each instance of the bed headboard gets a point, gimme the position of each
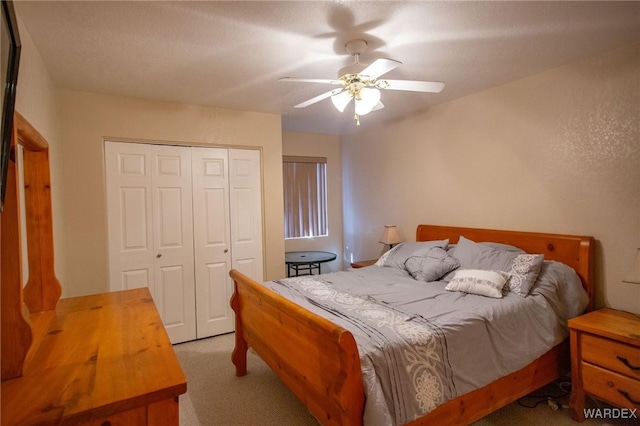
(573, 250)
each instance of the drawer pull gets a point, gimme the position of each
(626, 395)
(627, 363)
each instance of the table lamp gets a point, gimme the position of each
(390, 236)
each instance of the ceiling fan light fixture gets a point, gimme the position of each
(341, 100)
(366, 100)
(362, 84)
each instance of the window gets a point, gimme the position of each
(305, 196)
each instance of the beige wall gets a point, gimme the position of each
(556, 152)
(89, 119)
(36, 100)
(315, 145)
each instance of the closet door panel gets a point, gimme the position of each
(216, 218)
(174, 288)
(136, 278)
(211, 241)
(215, 317)
(131, 254)
(169, 296)
(246, 201)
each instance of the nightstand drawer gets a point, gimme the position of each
(614, 388)
(615, 356)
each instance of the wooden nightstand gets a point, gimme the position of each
(363, 263)
(605, 360)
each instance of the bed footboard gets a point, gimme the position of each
(316, 359)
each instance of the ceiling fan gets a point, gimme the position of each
(361, 83)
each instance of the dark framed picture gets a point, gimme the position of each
(10, 54)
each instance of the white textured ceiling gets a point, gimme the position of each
(231, 54)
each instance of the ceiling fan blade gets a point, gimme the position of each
(379, 67)
(415, 86)
(318, 98)
(310, 80)
(378, 106)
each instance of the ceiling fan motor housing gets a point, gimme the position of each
(356, 47)
(351, 69)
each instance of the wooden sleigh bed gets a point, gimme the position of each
(319, 361)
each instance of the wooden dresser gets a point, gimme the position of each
(605, 360)
(103, 359)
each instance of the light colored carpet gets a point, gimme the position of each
(215, 396)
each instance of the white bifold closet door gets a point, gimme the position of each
(227, 216)
(151, 229)
(179, 219)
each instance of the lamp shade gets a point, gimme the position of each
(341, 100)
(633, 276)
(369, 98)
(390, 235)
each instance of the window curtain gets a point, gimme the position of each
(305, 197)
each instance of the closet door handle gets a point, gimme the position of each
(159, 255)
(226, 250)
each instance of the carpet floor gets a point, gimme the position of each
(215, 396)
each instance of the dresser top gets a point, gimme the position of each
(98, 355)
(617, 325)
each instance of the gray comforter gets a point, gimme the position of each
(421, 345)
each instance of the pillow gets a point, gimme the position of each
(476, 281)
(562, 288)
(399, 254)
(430, 264)
(522, 267)
(383, 258)
(500, 246)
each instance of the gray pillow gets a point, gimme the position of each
(399, 254)
(562, 289)
(523, 267)
(500, 246)
(430, 264)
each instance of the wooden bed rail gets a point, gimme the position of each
(316, 359)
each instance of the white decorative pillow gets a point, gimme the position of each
(480, 282)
